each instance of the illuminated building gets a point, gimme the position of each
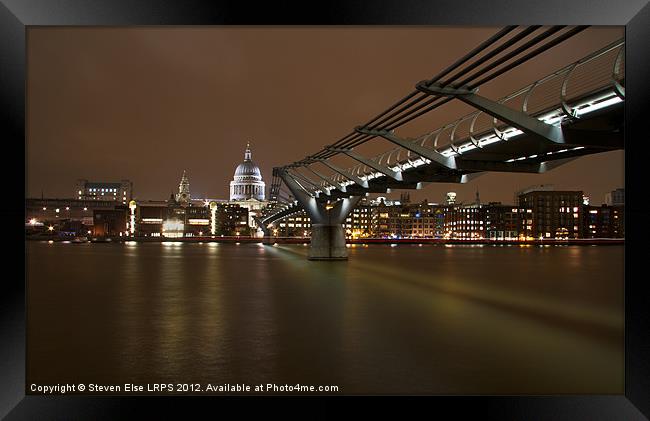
(171, 219)
(548, 213)
(387, 220)
(173, 228)
(501, 221)
(197, 221)
(149, 218)
(70, 215)
(358, 224)
(297, 225)
(231, 219)
(396, 219)
(427, 220)
(106, 191)
(604, 222)
(615, 198)
(110, 222)
(465, 222)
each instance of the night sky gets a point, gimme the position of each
(146, 103)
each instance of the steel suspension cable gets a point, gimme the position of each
(396, 122)
(443, 73)
(355, 139)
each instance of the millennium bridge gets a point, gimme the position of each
(575, 111)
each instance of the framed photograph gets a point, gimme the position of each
(239, 202)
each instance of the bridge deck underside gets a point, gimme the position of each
(600, 131)
(596, 132)
(604, 124)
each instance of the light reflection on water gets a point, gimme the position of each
(410, 319)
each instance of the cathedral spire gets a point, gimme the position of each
(247, 154)
(183, 195)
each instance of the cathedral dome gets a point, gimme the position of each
(247, 182)
(248, 169)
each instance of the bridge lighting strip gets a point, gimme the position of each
(547, 153)
(597, 105)
(554, 118)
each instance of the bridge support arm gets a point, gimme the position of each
(429, 154)
(342, 209)
(357, 180)
(308, 202)
(396, 175)
(466, 178)
(325, 179)
(517, 119)
(309, 182)
(262, 226)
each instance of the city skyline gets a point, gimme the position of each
(164, 105)
(184, 184)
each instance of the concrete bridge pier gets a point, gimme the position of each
(327, 242)
(327, 233)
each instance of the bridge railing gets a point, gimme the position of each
(602, 71)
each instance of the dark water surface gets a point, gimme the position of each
(407, 319)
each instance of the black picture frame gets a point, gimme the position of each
(17, 15)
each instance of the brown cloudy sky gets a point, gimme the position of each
(146, 103)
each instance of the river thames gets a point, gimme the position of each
(407, 319)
